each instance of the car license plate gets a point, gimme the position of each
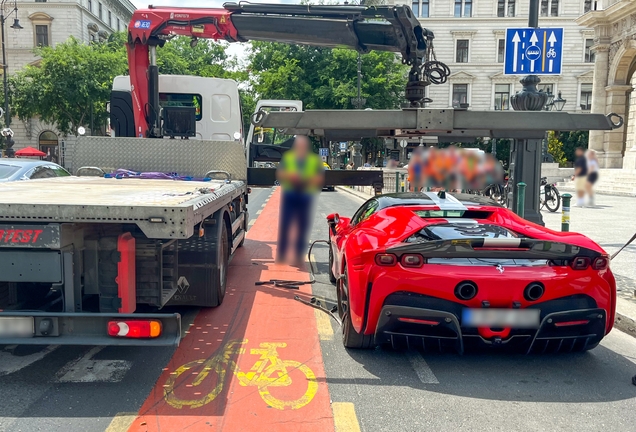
(517, 318)
(16, 327)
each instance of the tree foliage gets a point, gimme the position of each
(71, 81)
(325, 78)
(572, 140)
(555, 148)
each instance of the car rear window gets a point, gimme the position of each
(7, 171)
(459, 230)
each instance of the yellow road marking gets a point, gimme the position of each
(121, 422)
(312, 257)
(344, 415)
(323, 322)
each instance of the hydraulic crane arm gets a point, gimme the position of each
(383, 28)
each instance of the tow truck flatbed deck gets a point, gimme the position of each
(161, 208)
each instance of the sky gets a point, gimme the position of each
(235, 49)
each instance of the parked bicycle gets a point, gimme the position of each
(550, 196)
(498, 192)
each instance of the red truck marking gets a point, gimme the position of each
(20, 236)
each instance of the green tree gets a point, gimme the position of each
(555, 148)
(325, 78)
(71, 81)
(572, 140)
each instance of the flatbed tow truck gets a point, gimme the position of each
(92, 260)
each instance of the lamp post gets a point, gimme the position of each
(16, 25)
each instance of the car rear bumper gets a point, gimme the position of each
(414, 321)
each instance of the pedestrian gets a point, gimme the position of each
(416, 171)
(592, 174)
(301, 175)
(350, 165)
(580, 176)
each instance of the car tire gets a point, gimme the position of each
(350, 337)
(332, 277)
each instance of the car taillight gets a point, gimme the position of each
(580, 263)
(600, 263)
(412, 260)
(386, 260)
(134, 329)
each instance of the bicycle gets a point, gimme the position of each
(260, 376)
(497, 192)
(550, 196)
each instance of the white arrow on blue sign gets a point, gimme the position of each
(324, 151)
(534, 51)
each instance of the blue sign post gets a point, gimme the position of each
(537, 51)
(324, 151)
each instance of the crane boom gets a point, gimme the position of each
(382, 28)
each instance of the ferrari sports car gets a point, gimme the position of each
(441, 271)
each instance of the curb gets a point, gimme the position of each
(354, 193)
(625, 322)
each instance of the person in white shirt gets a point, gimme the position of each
(592, 173)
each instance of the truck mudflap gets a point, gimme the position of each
(48, 328)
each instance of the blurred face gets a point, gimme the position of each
(301, 145)
(579, 152)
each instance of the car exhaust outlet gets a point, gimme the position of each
(533, 291)
(466, 290)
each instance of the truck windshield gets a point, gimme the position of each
(271, 136)
(182, 100)
(7, 171)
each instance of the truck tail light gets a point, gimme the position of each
(412, 260)
(134, 329)
(600, 263)
(385, 260)
(580, 263)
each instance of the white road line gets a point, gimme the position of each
(259, 212)
(85, 369)
(423, 371)
(10, 363)
(251, 223)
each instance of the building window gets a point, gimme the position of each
(41, 35)
(416, 7)
(589, 54)
(92, 36)
(110, 19)
(501, 50)
(587, 6)
(586, 97)
(547, 88)
(40, 1)
(90, 6)
(463, 8)
(101, 14)
(118, 25)
(460, 94)
(505, 8)
(461, 55)
(502, 96)
(549, 8)
(425, 8)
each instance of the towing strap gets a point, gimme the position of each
(624, 246)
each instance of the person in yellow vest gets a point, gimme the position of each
(301, 176)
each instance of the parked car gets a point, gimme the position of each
(328, 187)
(441, 271)
(23, 169)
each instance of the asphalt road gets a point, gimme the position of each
(75, 389)
(78, 388)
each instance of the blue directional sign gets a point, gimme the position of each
(536, 51)
(324, 151)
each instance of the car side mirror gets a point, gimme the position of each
(334, 217)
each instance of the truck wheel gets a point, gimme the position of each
(350, 337)
(222, 262)
(332, 277)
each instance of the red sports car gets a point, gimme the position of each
(438, 271)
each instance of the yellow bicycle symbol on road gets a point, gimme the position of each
(268, 371)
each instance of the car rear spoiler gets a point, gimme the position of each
(504, 248)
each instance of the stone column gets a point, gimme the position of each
(612, 156)
(629, 161)
(601, 70)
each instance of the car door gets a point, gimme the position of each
(363, 213)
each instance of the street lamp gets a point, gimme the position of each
(559, 102)
(16, 25)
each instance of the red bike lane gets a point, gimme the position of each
(255, 362)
